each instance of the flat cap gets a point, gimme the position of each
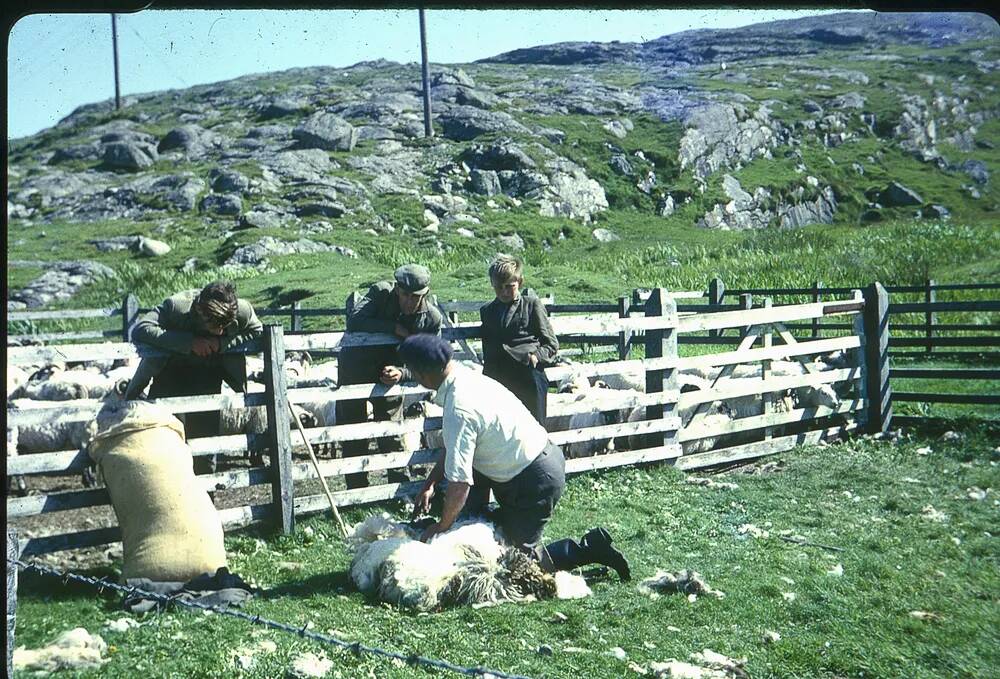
(425, 352)
(413, 278)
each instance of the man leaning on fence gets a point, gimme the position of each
(399, 308)
(196, 327)
(493, 443)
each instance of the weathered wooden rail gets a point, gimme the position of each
(658, 435)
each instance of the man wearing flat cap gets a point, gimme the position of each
(400, 308)
(493, 443)
(196, 327)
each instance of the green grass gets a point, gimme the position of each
(862, 496)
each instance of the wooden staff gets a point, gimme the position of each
(319, 473)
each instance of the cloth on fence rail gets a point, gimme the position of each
(170, 528)
(221, 589)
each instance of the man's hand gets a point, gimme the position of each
(204, 346)
(401, 331)
(431, 531)
(391, 375)
(422, 502)
(533, 359)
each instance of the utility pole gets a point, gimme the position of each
(114, 47)
(425, 72)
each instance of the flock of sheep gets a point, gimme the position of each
(107, 381)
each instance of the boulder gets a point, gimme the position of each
(281, 107)
(321, 209)
(977, 171)
(131, 156)
(326, 131)
(446, 76)
(463, 123)
(849, 100)
(77, 152)
(478, 98)
(60, 282)
(257, 253)
(502, 154)
(222, 203)
(897, 195)
(228, 181)
(485, 182)
(366, 132)
(665, 206)
(573, 195)
(152, 248)
(605, 236)
(512, 242)
(179, 192)
(619, 163)
(615, 128)
(936, 212)
(261, 219)
(191, 139)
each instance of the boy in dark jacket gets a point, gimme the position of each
(518, 340)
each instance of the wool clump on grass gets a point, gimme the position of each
(75, 649)
(682, 582)
(706, 664)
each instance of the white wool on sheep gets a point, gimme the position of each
(467, 564)
(571, 586)
(75, 649)
(626, 381)
(16, 379)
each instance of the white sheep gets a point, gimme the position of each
(79, 383)
(467, 564)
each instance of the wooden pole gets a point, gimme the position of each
(930, 295)
(425, 75)
(625, 336)
(746, 304)
(817, 285)
(716, 291)
(12, 553)
(878, 392)
(662, 343)
(319, 472)
(296, 318)
(278, 432)
(130, 314)
(765, 372)
(114, 47)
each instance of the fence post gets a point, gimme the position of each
(662, 343)
(716, 291)
(930, 295)
(765, 372)
(858, 360)
(130, 314)
(279, 436)
(625, 336)
(746, 304)
(878, 391)
(453, 315)
(816, 296)
(12, 553)
(296, 318)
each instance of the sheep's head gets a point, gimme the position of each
(573, 384)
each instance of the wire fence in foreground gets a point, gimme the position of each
(357, 648)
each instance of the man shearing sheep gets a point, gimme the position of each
(400, 308)
(493, 442)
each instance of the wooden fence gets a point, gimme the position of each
(658, 434)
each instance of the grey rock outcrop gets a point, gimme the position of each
(464, 123)
(503, 154)
(60, 282)
(327, 131)
(897, 195)
(193, 140)
(512, 242)
(222, 204)
(726, 136)
(228, 181)
(131, 156)
(258, 253)
(485, 182)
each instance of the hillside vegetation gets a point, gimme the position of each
(841, 160)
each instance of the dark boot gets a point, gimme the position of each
(595, 547)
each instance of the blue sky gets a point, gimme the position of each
(58, 62)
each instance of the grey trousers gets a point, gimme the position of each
(526, 501)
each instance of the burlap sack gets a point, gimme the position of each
(170, 528)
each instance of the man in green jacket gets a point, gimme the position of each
(399, 308)
(196, 328)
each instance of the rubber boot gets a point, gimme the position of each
(595, 547)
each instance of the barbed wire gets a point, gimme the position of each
(357, 648)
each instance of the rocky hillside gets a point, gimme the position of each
(851, 119)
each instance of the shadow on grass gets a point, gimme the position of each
(36, 586)
(335, 582)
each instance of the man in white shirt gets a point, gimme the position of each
(493, 443)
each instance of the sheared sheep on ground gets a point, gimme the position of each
(75, 649)
(468, 564)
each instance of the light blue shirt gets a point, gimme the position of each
(486, 428)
